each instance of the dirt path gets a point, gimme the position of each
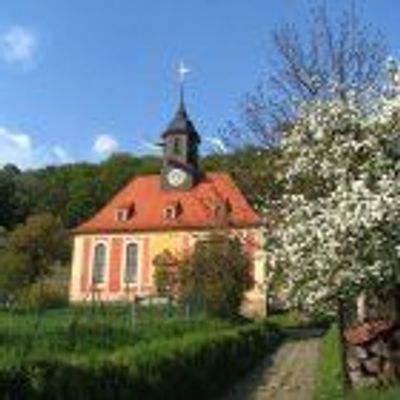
(288, 375)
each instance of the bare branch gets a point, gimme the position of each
(339, 58)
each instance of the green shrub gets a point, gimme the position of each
(216, 276)
(195, 366)
(43, 295)
(14, 269)
(43, 239)
(330, 375)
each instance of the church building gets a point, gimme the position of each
(163, 215)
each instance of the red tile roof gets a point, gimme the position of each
(197, 207)
(366, 332)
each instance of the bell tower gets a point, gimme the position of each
(180, 141)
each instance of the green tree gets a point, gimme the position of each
(166, 277)
(14, 274)
(7, 197)
(84, 199)
(74, 192)
(43, 240)
(3, 237)
(250, 167)
(217, 275)
(116, 171)
(52, 190)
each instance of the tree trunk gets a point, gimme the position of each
(397, 303)
(362, 308)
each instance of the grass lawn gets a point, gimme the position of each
(295, 319)
(84, 329)
(383, 394)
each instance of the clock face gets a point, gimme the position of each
(176, 177)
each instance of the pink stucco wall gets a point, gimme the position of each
(150, 245)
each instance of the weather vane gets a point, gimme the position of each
(183, 70)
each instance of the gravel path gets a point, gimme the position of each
(288, 375)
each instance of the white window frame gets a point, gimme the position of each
(136, 283)
(170, 213)
(121, 215)
(106, 243)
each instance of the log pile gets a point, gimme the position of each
(373, 354)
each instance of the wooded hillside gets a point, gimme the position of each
(76, 191)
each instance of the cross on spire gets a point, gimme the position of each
(183, 70)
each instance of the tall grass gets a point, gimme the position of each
(330, 375)
(376, 394)
(86, 330)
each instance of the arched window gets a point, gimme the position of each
(131, 263)
(99, 265)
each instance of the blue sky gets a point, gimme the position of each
(81, 78)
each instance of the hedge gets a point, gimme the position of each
(195, 366)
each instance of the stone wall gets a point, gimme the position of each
(373, 354)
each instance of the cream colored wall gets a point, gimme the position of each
(77, 257)
(158, 241)
(255, 303)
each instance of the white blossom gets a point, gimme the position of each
(340, 233)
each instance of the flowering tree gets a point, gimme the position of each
(339, 228)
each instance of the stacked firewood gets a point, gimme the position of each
(373, 354)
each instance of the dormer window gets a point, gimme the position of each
(169, 213)
(124, 213)
(172, 211)
(228, 206)
(222, 209)
(121, 215)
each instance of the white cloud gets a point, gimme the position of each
(217, 144)
(104, 145)
(19, 149)
(150, 148)
(61, 155)
(18, 45)
(15, 148)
